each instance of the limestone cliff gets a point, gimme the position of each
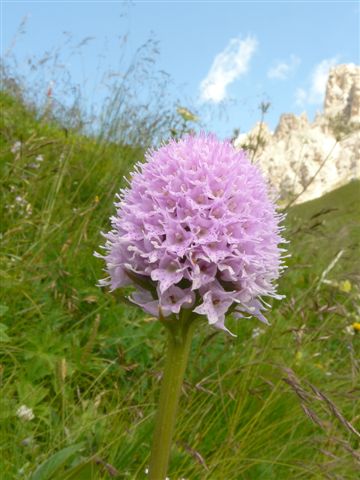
(304, 160)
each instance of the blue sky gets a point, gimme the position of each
(224, 57)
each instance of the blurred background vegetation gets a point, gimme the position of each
(80, 371)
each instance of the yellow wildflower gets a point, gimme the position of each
(345, 286)
(356, 326)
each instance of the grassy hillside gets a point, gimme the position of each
(274, 403)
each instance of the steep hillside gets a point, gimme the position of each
(80, 370)
(327, 227)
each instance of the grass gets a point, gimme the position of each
(274, 403)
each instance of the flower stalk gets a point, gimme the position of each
(180, 333)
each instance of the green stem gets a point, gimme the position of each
(179, 342)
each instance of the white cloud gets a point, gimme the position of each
(227, 66)
(315, 93)
(282, 70)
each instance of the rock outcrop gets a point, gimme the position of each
(304, 160)
(343, 92)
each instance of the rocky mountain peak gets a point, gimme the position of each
(289, 122)
(304, 160)
(343, 92)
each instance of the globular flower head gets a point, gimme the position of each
(196, 229)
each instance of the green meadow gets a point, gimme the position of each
(278, 402)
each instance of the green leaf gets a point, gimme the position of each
(3, 310)
(83, 471)
(48, 469)
(3, 335)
